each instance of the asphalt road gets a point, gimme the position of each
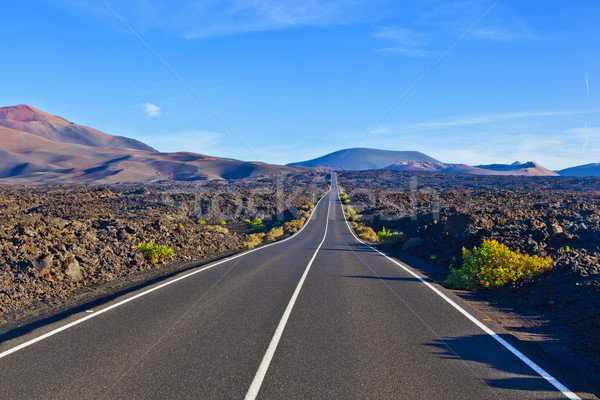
(318, 316)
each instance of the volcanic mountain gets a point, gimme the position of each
(25, 118)
(357, 159)
(582, 170)
(37, 148)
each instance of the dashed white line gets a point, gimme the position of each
(266, 361)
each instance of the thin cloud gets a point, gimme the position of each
(400, 40)
(151, 110)
(483, 119)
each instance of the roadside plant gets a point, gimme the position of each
(154, 252)
(217, 229)
(293, 225)
(201, 222)
(256, 224)
(274, 233)
(366, 233)
(223, 222)
(253, 240)
(493, 265)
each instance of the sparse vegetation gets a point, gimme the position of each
(156, 253)
(389, 238)
(223, 222)
(274, 233)
(253, 240)
(256, 224)
(343, 196)
(201, 222)
(217, 229)
(366, 233)
(493, 265)
(293, 225)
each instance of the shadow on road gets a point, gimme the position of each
(477, 348)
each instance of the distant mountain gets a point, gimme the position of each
(529, 168)
(362, 158)
(31, 120)
(526, 169)
(582, 170)
(53, 156)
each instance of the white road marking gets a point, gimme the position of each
(94, 314)
(539, 370)
(266, 361)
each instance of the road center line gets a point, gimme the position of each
(266, 361)
(539, 370)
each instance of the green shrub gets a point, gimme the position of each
(170, 218)
(494, 265)
(223, 222)
(388, 237)
(256, 224)
(201, 222)
(154, 252)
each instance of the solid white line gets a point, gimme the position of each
(539, 370)
(266, 361)
(102, 311)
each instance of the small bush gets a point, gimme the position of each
(494, 265)
(154, 252)
(304, 214)
(307, 207)
(253, 240)
(223, 223)
(389, 238)
(256, 224)
(170, 218)
(293, 225)
(201, 222)
(217, 229)
(366, 233)
(274, 233)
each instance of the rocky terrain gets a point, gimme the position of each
(57, 240)
(550, 216)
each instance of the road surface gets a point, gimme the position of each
(318, 316)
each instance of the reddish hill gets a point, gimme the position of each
(30, 157)
(31, 120)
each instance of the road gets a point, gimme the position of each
(317, 316)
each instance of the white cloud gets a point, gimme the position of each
(151, 110)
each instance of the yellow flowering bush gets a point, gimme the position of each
(493, 265)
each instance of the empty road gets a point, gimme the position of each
(318, 316)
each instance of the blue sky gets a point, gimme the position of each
(283, 81)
